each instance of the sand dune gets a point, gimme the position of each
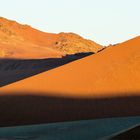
(113, 70)
(106, 84)
(25, 42)
(12, 70)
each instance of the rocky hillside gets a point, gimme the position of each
(71, 43)
(23, 41)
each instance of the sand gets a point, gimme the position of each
(111, 72)
(106, 84)
(20, 41)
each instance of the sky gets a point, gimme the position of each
(104, 21)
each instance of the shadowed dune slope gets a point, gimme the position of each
(23, 41)
(12, 70)
(131, 134)
(34, 109)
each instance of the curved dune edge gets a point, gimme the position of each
(114, 71)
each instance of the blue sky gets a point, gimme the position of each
(104, 21)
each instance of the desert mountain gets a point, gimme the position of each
(23, 41)
(115, 71)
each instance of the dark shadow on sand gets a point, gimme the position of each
(12, 70)
(132, 134)
(31, 109)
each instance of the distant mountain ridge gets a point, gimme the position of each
(23, 41)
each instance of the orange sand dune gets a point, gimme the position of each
(106, 84)
(110, 72)
(23, 41)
